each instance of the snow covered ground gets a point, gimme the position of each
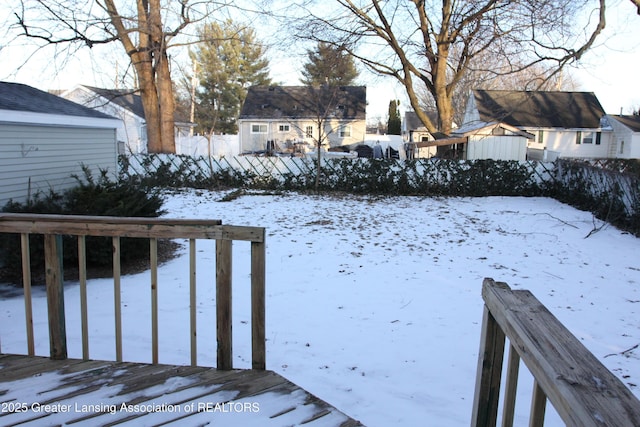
(374, 304)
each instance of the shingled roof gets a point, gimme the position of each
(569, 110)
(126, 98)
(412, 121)
(632, 122)
(300, 102)
(20, 97)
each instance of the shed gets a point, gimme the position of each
(497, 141)
(44, 139)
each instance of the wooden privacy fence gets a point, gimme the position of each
(580, 388)
(53, 227)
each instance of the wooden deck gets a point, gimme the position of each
(40, 391)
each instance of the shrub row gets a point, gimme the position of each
(388, 176)
(101, 197)
(608, 189)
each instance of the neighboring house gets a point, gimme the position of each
(126, 105)
(413, 130)
(290, 118)
(568, 124)
(44, 139)
(626, 142)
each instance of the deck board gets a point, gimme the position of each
(90, 393)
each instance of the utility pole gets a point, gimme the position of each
(194, 81)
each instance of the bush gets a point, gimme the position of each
(95, 197)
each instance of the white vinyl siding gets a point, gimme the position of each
(41, 158)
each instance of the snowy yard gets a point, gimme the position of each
(373, 304)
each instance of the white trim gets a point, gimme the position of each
(27, 117)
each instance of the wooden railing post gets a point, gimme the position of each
(223, 303)
(538, 406)
(258, 344)
(489, 372)
(55, 296)
(511, 386)
(193, 303)
(26, 286)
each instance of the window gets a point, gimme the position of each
(598, 138)
(259, 128)
(621, 147)
(540, 136)
(283, 127)
(588, 138)
(578, 137)
(309, 131)
(344, 131)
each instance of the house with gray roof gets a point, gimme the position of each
(291, 119)
(566, 124)
(125, 104)
(45, 139)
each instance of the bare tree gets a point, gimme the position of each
(535, 77)
(321, 106)
(146, 29)
(433, 43)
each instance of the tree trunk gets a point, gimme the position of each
(151, 108)
(318, 160)
(165, 105)
(150, 61)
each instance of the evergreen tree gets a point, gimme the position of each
(329, 65)
(394, 125)
(229, 60)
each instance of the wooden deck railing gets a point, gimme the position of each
(53, 227)
(582, 391)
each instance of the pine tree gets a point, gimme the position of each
(394, 125)
(329, 65)
(229, 60)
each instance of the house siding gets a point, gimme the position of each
(564, 142)
(497, 147)
(626, 142)
(251, 142)
(130, 133)
(39, 158)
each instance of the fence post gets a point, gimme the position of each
(489, 372)
(223, 303)
(55, 296)
(258, 345)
